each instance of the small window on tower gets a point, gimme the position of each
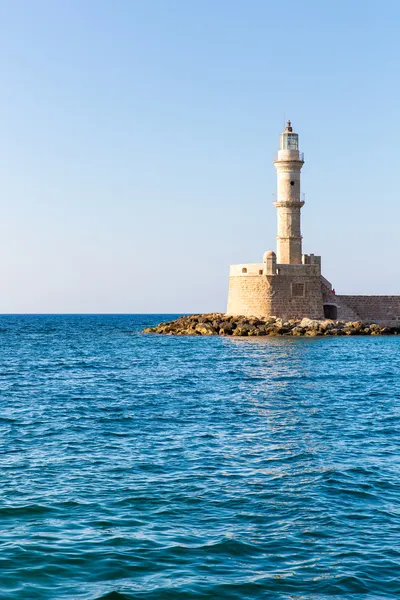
(298, 290)
(244, 270)
(292, 183)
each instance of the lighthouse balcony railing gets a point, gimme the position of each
(277, 158)
(285, 199)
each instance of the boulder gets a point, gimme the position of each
(205, 329)
(309, 324)
(255, 322)
(326, 325)
(271, 329)
(204, 319)
(253, 331)
(349, 330)
(270, 321)
(226, 328)
(241, 330)
(298, 330)
(283, 330)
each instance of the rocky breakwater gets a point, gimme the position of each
(220, 324)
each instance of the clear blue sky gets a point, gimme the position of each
(136, 142)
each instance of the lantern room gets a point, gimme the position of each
(288, 139)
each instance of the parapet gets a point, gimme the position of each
(311, 259)
(247, 269)
(270, 267)
(298, 270)
(310, 267)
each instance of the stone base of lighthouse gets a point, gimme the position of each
(296, 291)
(287, 291)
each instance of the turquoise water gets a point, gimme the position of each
(153, 467)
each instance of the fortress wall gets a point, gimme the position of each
(344, 311)
(291, 296)
(298, 270)
(246, 269)
(297, 297)
(249, 269)
(279, 295)
(249, 296)
(380, 309)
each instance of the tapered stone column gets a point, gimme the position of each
(288, 162)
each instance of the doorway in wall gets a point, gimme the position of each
(330, 311)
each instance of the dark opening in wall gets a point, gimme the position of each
(330, 311)
(244, 270)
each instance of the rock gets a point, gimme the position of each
(294, 322)
(377, 329)
(241, 330)
(349, 330)
(252, 322)
(253, 331)
(270, 321)
(204, 319)
(270, 329)
(205, 329)
(326, 325)
(242, 323)
(340, 332)
(283, 330)
(165, 329)
(216, 323)
(226, 328)
(298, 330)
(309, 324)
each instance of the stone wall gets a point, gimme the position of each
(344, 311)
(249, 296)
(297, 296)
(377, 309)
(247, 269)
(295, 293)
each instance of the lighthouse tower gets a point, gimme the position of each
(288, 162)
(287, 284)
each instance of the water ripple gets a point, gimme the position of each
(146, 467)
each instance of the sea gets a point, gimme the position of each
(164, 467)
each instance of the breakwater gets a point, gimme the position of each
(239, 326)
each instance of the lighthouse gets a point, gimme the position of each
(286, 284)
(288, 162)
